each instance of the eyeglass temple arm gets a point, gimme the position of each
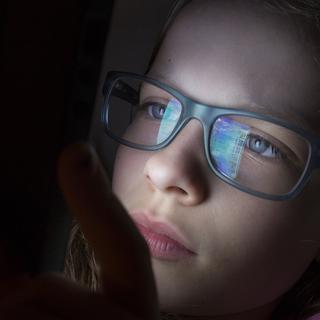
(124, 91)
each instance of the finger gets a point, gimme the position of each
(120, 249)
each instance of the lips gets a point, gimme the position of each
(164, 240)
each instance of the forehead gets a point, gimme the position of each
(238, 54)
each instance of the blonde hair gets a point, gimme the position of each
(303, 299)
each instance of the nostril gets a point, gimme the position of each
(149, 182)
(177, 189)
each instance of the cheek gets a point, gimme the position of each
(267, 242)
(249, 255)
(128, 172)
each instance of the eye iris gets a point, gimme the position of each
(157, 111)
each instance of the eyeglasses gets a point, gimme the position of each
(258, 154)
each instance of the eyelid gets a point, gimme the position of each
(278, 144)
(149, 102)
(156, 99)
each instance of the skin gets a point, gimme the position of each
(250, 251)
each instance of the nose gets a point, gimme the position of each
(180, 169)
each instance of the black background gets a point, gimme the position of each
(51, 53)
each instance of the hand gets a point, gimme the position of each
(128, 288)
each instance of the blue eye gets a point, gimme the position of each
(155, 110)
(262, 147)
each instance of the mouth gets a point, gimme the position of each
(163, 240)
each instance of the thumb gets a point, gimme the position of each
(121, 251)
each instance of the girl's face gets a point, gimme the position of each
(249, 251)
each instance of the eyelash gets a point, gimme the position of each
(276, 153)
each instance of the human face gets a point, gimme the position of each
(249, 251)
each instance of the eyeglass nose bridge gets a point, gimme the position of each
(205, 114)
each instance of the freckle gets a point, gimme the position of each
(169, 60)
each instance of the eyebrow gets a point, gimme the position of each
(279, 111)
(282, 112)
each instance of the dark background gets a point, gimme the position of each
(51, 57)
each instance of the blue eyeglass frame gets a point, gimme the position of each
(207, 115)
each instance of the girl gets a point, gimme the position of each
(217, 168)
(251, 252)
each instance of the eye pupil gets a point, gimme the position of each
(257, 144)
